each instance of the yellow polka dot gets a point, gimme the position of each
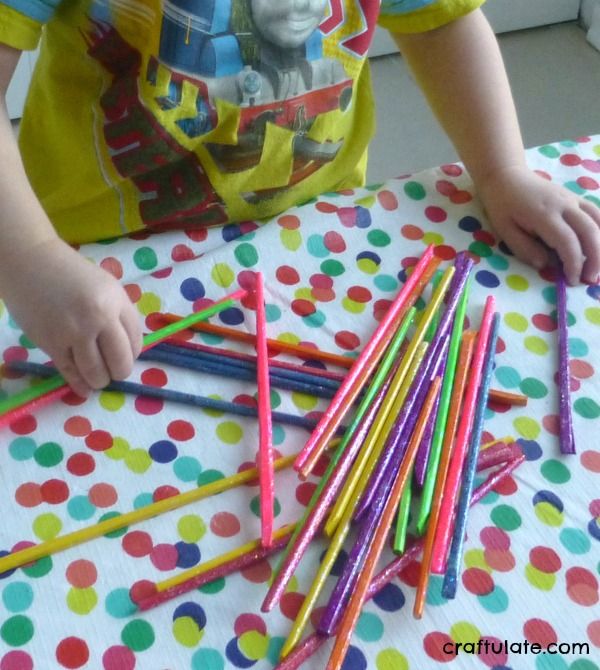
(464, 632)
(253, 644)
(304, 401)
(138, 460)
(367, 201)
(229, 432)
(352, 306)
(592, 314)
(291, 239)
(213, 412)
(112, 400)
(191, 528)
(47, 526)
(82, 601)
(391, 659)
(304, 294)
(541, 580)
(549, 514)
(517, 282)
(186, 631)
(596, 149)
(475, 558)
(222, 275)
(527, 427)
(149, 303)
(516, 321)
(288, 338)
(292, 586)
(119, 449)
(536, 345)
(433, 238)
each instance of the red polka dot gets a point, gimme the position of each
(492, 658)
(593, 631)
(477, 581)
(112, 266)
(445, 252)
(249, 622)
(15, 353)
(387, 200)
(551, 423)
(137, 543)
(197, 234)
(148, 406)
(72, 652)
(434, 645)
(162, 274)
(334, 242)
(24, 426)
(181, 430)
(142, 590)
(590, 460)
(16, 660)
(304, 492)
(303, 307)
(347, 340)
(118, 657)
(290, 604)
(325, 208)
(570, 159)
(360, 294)
(54, 491)
(581, 369)
(445, 187)
(544, 323)
(181, 252)
(451, 170)
(81, 464)
(410, 574)
(102, 495)
(495, 538)
(583, 595)
(72, 399)
(380, 308)
(225, 524)
(289, 221)
(154, 377)
(545, 559)
(538, 631)
(29, 495)
(411, 232)
(435, 214)
(163, 492)
(506, 487)
(484, 236)
(247, 280)
(323, 294)
(287, 275)
(587, 183)
(591, 165)
(460, 197)
(594, 508)
(579, 575)
(81, 574)
(134, 292)
(246, 400)
(164, 556)
(500, 560)
(99, 440)
(321, 281)
(258, 573)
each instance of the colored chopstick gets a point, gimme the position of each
(566, 437)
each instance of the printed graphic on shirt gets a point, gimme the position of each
(228, 76)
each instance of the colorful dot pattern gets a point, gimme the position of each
(530, 570)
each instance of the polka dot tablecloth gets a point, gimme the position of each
(532, 559)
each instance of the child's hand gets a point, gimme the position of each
(525, 208)
(77, 313)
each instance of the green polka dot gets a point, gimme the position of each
(480, 249)
(414, 190)
(145, 258)
(555, 471)
(80, 508)
(229, 432)
(332, 268)
(138, 635)
(507, 376)
(527, 427)
(549, 151)
(138, 461)
(255, 506)
(213, 587)
(209, 476)
(47, 526)
(464, 632)
(191, 528)
(517, 282)
(369, 627)
(207, 659)
(112, 401)
(119, 605)
(22, 448)
(40, 568)
(253, 644)
(575, 541)
(82, 601)
(548, 514)
(246, 255)
(494, 602)
(222, 275)
(577, 347)
(114, 533)
(304, 401)
(587, 408)
(533, 388)
(386, 283)
(391, 659)
(275, 399)
(17, 630)
(17, 597)
(550, 662)
(536, 345)
(367, 265)
(498, 262)
(274, 650)
(516, 321)
(186, 631)
(505, 517)
(378, 238)
(592, 314)
(544, 581)
(48, 454)
(583, 664)
(571, 320)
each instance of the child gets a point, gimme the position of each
(172, 113)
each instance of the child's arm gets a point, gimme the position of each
(78, 313)
(460, 69)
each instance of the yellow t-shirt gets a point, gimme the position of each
(149, 114)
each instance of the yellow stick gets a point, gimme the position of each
(62, 542)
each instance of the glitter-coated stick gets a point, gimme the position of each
(566, 438)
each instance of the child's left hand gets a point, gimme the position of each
(532, 214)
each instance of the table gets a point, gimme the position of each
(531, 567)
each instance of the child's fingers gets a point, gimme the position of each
(588, 233)
(115, 349)
(524, 247)
(91, 364)
(66, 366)
(131, 323)
(591, 210)
(564, 240)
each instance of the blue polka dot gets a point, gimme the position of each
(231, 232)
(8, 573)
(338, 564)
(369, 255)
(163, 451)
(549, 497)
(594, 529)
(594, 291)
(233, 653)
(192, 289)
(390, 598)
(188, 554)
(531, 449)
(193, 611)
(469, 224)
(232, 316)
(316, 246)
(355, 660)
(363, 217)
(487, 279)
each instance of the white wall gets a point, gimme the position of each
(587, 7)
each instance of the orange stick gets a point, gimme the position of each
(358, 598)
(508, 398)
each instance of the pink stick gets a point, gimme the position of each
(362, 367)
(33, 405)
(452, 486)
(267, 483)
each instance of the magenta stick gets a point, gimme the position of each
(362, 367)
(315, 641)
(494, 455)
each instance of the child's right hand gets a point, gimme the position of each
(77, 313)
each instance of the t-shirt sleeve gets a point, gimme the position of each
(21, 21)
(415, 16)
